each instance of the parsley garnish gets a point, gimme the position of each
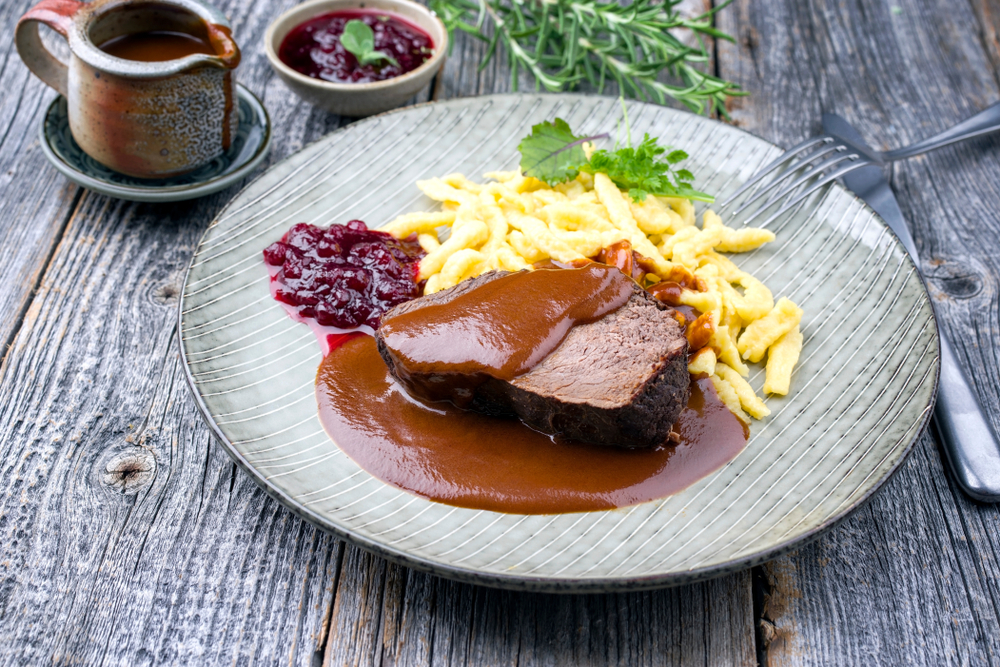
(641, 171)
(359, 39)
(553, 154)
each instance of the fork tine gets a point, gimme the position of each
(785, 175)
(815, 170)
(781, 160)
(832, 176)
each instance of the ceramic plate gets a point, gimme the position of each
(862, 393)
(249, 147)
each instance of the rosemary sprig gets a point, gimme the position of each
(564, 42)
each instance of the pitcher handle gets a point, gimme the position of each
(58, 15)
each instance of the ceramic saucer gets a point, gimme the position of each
(249, 147)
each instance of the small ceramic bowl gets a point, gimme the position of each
(357, 99)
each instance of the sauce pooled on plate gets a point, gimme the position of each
(472, 460)
(439, 451)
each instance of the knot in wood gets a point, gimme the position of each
(130, 471)
(955, 279)
(167, 294)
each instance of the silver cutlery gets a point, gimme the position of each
(825, 158)
(970, 444)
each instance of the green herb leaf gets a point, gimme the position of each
(644, 170)
(632, 44)
(552, 153)
(359, 39)
(677, 156)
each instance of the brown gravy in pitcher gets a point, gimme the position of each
(156, 46)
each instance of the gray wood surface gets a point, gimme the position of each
(912, 578)
(128, 537)
(35, 200)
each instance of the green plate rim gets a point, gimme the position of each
(547, 584)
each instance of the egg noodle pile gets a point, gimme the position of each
(516, 220)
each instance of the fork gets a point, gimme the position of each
(836, 157)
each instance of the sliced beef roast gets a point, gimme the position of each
(621, 380)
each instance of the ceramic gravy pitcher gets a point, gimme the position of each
(140, 114)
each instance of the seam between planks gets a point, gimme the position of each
(991, 54)
(716, 70)
(43, 268)
(328, 624)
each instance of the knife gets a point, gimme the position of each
(970, 444)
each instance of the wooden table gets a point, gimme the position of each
(128, 537)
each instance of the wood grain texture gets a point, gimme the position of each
(34, 198)
(912, 577)
(388, 615)
(127, 536)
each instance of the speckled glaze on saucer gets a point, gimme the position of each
(249, 147)
(862, 394)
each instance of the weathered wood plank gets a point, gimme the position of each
(388, 615)
(126, 535)
(35, 199)
(911, 578)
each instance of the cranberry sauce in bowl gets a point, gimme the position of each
(313, 48)
(342, 279)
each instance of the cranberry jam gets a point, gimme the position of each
(346, 276)
(313, 48)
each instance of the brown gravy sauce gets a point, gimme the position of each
(471, 460)
(501, 329)
(157, 46)
(163, 45)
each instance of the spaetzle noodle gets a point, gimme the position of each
(513, 221)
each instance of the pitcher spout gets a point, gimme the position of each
(221, 39)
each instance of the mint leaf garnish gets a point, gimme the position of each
(359, 39)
